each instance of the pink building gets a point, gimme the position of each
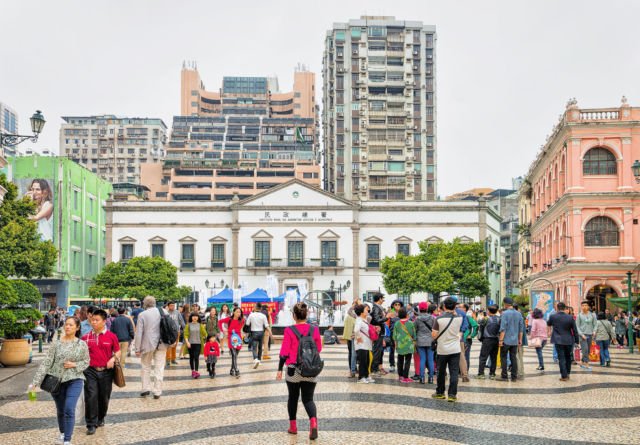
(580, 206)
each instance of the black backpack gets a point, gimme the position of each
(309, 362)
(168, 329)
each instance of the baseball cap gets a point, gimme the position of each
(423, 306)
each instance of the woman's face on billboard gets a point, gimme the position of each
(36, 192)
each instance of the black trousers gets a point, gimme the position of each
(363, 363)
(453, 362)
(234, 359)
(194, 356)
(304, 389)
(565, 356)
(392, 355)
(377, 355)
(97, 392)
(211, 368)
(404, 365)
(512, 350)
(489, 349)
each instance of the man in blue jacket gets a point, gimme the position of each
(122, 326)
(564, 335)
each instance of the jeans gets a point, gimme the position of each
(467, 351)
(364, 363)
(512, 351)
(453, 361)
(565, 356)
(305, 391)
(97, 392)
(604, 351)
(152, 372)
(555, 354)
(256, 344)
(585, 346)
(404, 364)
(489, 349)
(426, 358)
(352, 355)
(66, 400)
(464, 369)
(392, 355)
(539, 352)
(194, 356)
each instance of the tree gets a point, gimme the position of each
(137, 278)
(453, 267)
(403, 274)
(8, 297)
(22, 253)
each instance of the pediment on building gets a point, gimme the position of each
(465, 240)
(127, 239)
(187, 239)
(157, 239)
(295, 234)
(329, 234)
(262, 234)
(403, 239)
(434, 240)
(218, 239)
(373, 239)
(295, 193)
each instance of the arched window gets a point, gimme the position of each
(599, 161)
(601, 231)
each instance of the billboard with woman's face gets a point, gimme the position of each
(40, 192)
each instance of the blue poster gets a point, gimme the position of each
(543, 300)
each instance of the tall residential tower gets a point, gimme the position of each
(379, 117)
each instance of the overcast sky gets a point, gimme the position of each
(505, 69)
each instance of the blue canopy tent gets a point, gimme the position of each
(224, 296)
(257, 296)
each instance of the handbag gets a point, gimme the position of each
(535, 342)
(434, 343)
(51, 384)
(373, 334)
(118, 374)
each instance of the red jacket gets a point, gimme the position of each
(233, 326)
(212, 348)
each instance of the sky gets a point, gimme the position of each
(505, 68)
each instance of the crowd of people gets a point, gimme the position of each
(438, 339)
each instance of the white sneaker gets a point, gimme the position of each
(256, 362)
(67, 443)
(370, 380)
(60, 438)
(363, 380)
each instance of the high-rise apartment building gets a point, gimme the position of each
(8, 124)
(113, 147)
(241, 139)
(379, 109)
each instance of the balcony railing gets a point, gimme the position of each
(218, 264)
(295, 263)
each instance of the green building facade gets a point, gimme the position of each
(71, 213)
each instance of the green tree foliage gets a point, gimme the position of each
(22, 253)
(8, 296)
(403, 274)
(439, 267)
(139, 277)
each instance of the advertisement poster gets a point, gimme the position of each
(40, 191)
(543, 300)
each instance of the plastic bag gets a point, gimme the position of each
(594, 352)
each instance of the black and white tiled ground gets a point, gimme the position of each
(602, 406)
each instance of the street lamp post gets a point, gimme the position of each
(635, 168)
(37, 124)
(629, 327)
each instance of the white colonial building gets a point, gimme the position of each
(303, 236)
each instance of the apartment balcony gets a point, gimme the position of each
(310, 264)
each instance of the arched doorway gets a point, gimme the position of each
(598, 295)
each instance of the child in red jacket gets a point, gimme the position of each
(211, 354)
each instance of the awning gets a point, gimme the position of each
(224, 296)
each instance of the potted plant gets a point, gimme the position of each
(17, 317)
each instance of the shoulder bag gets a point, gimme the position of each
(434, 344)
(51, 383)
(118, 374)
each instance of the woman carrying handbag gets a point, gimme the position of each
(61, 373)
(538, 336)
